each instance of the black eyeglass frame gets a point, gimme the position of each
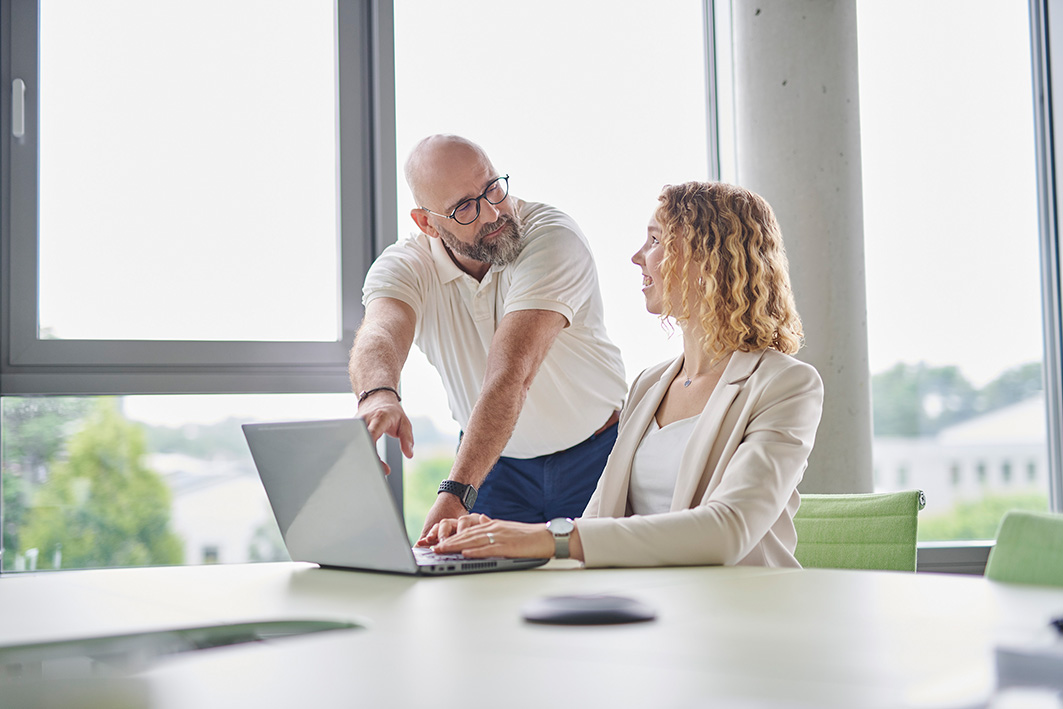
(483, 195)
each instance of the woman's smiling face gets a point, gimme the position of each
(649, 259)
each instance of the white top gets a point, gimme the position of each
(736, 489)
(655, 467)
(581, 381)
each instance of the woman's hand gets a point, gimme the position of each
(492, 537)
(449, 527)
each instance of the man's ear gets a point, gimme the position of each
(420, 218)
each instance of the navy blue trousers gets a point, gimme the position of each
(540, 489)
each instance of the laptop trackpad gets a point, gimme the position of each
(588, 609)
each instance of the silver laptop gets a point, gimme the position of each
(333, 506)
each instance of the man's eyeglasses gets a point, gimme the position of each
(468, 210)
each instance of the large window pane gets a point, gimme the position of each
(592, 113)
(950, 219)
(188, 170)
(127, 481)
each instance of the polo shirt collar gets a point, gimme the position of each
(445, 266)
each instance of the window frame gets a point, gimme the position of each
(32, 366)
(1046, 27)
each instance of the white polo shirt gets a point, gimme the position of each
(581, 381)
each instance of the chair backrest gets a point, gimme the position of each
(1029, 549)
(859, 531)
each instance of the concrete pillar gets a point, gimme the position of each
(797, 144)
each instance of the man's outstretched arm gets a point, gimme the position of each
(380, 349)
(518, 348)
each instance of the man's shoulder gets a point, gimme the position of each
(548, 229)
(406, 267)
(543, 219)
(412, 251)
(415, 245)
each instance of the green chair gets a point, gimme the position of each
(858, 531)
(1029, 549)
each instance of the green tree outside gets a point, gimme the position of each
(918, 400)
(977, 519)
(15, 505)
(204, 441)
(912, 400)
(36, 428)
(35, 431)
(103, 506)
(1014, 385)
(420, 482)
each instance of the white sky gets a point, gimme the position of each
(950, 202)
(594, 113)
(179, 190)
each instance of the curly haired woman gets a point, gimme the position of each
(712, 444)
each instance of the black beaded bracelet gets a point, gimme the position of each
(365, 394)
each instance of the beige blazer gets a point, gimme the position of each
(736, 492)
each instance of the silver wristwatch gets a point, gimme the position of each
(561, 528)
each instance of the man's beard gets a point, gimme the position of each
(502, 249)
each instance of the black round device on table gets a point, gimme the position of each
(590, 609)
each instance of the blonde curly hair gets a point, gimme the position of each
(724, 259)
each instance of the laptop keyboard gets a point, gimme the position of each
(424, 555)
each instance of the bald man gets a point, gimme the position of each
(502, 297)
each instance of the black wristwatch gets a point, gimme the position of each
(465, 493)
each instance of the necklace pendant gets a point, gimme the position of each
(686, 383)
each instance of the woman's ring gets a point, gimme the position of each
(490, 538)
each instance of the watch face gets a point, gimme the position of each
(465, 493)
(560, 525)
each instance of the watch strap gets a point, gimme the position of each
(561, 546)
(465, 493)
(369, 392)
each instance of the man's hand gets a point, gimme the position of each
(449, 527)
(380, 348)
(383, 414)
(446, 506)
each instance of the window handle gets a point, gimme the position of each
(18, 108)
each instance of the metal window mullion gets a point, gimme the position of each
(385, 174)
(708, 14)
(1046, 23)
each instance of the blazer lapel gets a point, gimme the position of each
(707, 429)
(614, 494)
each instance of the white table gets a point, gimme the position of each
(745, 637)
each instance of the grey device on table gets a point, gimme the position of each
(327, 489)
